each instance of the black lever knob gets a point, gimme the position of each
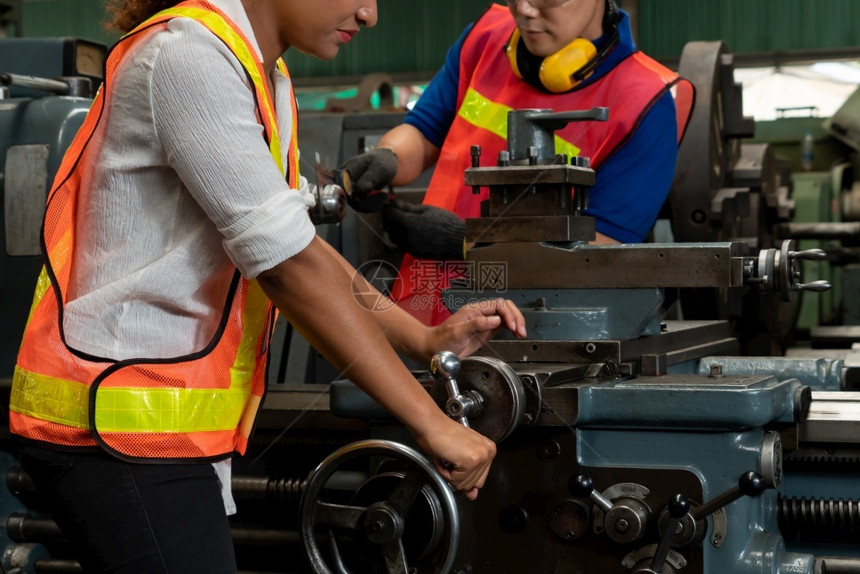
(678, 508)
(581, 485)
(750, 484)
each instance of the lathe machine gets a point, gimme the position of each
(636, 432)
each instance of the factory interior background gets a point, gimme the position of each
(718, 361)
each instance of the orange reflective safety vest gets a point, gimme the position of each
(199, 406)
(487, 91)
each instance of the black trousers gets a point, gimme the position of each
(135, 518)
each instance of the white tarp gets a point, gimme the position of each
(824, 86)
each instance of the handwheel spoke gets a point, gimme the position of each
(404, 493)
(339, 567)
(394, 557)
(339, 515)
(378, 526)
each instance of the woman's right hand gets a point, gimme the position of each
(461, 455)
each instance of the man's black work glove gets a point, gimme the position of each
(368, 174)
(424, 231)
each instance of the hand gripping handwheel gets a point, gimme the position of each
(398, 522)
(415, 527)
(483, 393)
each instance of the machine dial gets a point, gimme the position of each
(620, 512)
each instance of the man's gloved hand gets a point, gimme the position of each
(368, 174)
(424, 231)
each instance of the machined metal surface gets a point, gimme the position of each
(529, 175)
(533, 129)
(530, 229)
(532, 266)
(812, 369)
(834, 417)
(584, 314)
(676, 337)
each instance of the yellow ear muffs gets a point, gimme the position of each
(511, 52)
(557, 71)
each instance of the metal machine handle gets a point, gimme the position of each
(534, 128)
(750, 484)
(777, 270)
(36, 83)
(625, 520)
(557, 120)
(678, 508)
(444, 366)
(581, 485)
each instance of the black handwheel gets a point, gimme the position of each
(403, 521)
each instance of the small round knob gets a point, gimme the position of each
(445, 365)
(678, 506)
(752, 483)
(580, 485)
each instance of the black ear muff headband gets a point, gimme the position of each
(564, 70)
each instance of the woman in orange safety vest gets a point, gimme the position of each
(176, 225)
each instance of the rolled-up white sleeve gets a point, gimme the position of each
(205, 118)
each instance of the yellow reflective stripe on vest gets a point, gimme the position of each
(50, 399)
(133, 409)
(487, 114)
(294, 135)
(123, 409)
(254, 321)
(43, 283)
(169, 410)
(242, 51)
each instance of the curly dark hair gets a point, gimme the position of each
(124, 15)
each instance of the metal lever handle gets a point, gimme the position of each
(809, 254)
(557, 120)
(36, 83)
(444, 366)
(581, 485)
(806, 255)
(778, 270)
(815, 286)
(535, 128)
(750, 484)
(678, 508)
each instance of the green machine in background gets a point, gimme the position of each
(826, 193)
(845, 128)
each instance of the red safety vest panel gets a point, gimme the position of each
(487, 90)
